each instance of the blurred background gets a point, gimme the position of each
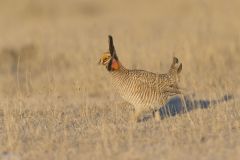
(53, 46)
(57, 103)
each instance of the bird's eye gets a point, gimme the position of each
(104, 60)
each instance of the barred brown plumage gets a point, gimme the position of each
(146, 91)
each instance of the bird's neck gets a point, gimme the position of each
(115, 66)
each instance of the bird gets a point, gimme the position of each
(145, 90)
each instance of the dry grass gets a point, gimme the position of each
(56, 103)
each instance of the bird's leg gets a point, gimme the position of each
(136, 117)
(156, 115)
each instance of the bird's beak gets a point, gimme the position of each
(99, 62)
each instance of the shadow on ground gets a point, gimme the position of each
(182, 104)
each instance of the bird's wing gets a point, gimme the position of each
(156, 82)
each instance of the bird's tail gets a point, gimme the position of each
(175, 68)
(174, 73)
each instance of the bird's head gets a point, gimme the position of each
(105, 58)
(110, 59)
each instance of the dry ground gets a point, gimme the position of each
(56, 103)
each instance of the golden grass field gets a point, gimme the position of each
(57, 103)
